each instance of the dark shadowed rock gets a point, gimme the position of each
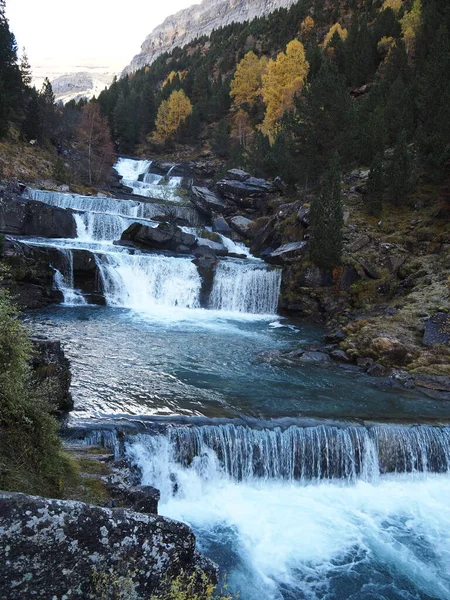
(166, 236)
(316, 277)
(303, 215)
(30, 217)
(206, 263)
(65, 549)
(221, 226)
(281, 185)
(340, 356)
(437, 330)
(237, 175)
(206, 201)
(288, 253)
(348, 278)
(370, 269)
(51, 373)
(359, 243)
(242, 225)
(140, 498)
(245, 193)
(315, 358)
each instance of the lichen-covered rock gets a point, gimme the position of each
(54, 549)
(437, 330)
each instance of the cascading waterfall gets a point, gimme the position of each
(64, 282)
(135, 176)
(145, 282)
(108, 207)
(296, 453)
(246, 287)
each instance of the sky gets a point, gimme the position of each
(64, 35)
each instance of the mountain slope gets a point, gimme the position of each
(199, 20)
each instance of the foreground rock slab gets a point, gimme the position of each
(64, 549)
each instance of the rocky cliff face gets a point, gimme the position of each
(198, 20)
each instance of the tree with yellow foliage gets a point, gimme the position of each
(246, 83)
(394, 4)
(242, 129)
(411, 23)
(283, 79)
(336, 28)
(171, 114)
(307, 27)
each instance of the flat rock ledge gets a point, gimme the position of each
(64, 550)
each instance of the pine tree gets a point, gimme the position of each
(10, 78)
(25, 69)
(31, 127)
(327, 220)
(375, 186)
(220, 140)
(400, 172)
(47, 110)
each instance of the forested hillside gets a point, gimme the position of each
(364, 77)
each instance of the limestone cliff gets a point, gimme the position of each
(198, 20)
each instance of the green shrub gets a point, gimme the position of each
(31, 456)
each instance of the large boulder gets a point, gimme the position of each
(221, 226)
(242, 225)
(437, 330)
(31, 217)
(245, 191)
(206, 201)
(206, 263)
(218, 249)
(65, 549)
(288, 253)
(166, 236)
(51, 373)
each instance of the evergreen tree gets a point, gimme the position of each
(10, 77)
(375, 186)
(220, 140)
(322, 123)
(25, 69)
(327, 220)
(47, 110)
(400, 172)
(32, 125)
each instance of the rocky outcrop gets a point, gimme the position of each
(196, 21)
(245, 191)
(206, 263)
(166, 236)
(241, 224)
(33, 218)
(206, 201)
(51, 372)
(288, 253)
(65, 549)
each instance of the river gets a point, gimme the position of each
(311, 483)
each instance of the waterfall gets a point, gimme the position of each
(126, 208)
(135, 176)
(306, 454)
(111, 206)
(145, 282)
(64, 282)
(246, 287)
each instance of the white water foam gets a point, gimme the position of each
(135, 175)
(389, 538)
